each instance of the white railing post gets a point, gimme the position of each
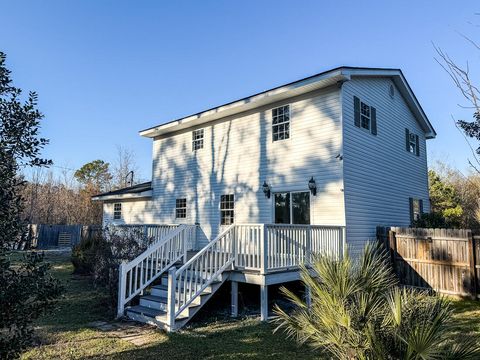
(234, 247)
(122, 282)
(264, 250)
(308, 246)
(344, 242)
(171, 298)
(186, 240)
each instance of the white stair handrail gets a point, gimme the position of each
(137, 274)
(190, 280)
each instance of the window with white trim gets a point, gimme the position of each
(412, 142)
(197, 139)
(281, 123)
(117, 211)
(181, 208)
(227, 209)
(365, 116)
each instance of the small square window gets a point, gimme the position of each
(181, 208)
(117, 211)
(197, 139)
(281, 123)
(227, 204)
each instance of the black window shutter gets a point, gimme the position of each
(373, 114)
(411, 210)
(407, 139)
(356, 109)
(417, 148)
(420, 205)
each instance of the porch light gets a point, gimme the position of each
(266, 189)
(312, 186)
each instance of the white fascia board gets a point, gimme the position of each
(145, 195)
(281, 93)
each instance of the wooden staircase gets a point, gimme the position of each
(174, 297)
(153, 308)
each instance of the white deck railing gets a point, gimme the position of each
(168, 247)
(272, 247)
(151, 232)
(264, 248)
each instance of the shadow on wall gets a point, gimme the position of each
(239, 155)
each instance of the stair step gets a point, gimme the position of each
(162, 290)
(145, 311)
(161, 303)
(164, 279)
(158, 315)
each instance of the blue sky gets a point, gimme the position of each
(106, 69)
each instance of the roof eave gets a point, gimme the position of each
(132, 196)
(293, 89)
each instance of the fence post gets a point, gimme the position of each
(472, 263)
(264, 250)
(392, 241)
(122, 282)
(171, 299)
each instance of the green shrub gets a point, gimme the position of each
(358, 312)
(27, 290)
(102, 255)
(83, 255)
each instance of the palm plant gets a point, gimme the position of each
(358, 312)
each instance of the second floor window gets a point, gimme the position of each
(197, 139)
(117, 211)
(227, 204)
(281, 123)
(412, 142)
(365, 116)
(181, 208)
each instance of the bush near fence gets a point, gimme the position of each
(444, 260)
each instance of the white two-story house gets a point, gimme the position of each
(344, 148)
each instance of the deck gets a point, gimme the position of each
(261, 254)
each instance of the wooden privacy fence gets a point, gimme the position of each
(444, 260)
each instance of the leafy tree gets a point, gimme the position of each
(444, 200)
(96, 174)
(26, 291)
(358, 312)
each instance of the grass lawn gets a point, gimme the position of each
(67, 333)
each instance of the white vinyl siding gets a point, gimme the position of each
(379, 175)
(239, 155)
(133, 212)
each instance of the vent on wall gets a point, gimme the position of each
(64, 239)
(391, 91)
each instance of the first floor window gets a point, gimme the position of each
(281, 123)
(416, 209)
(292, 208)
(227, 203)
(181, 208)
(117, 211)
(197, 139)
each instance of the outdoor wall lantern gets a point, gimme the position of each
(266, 189)
(312, 186)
